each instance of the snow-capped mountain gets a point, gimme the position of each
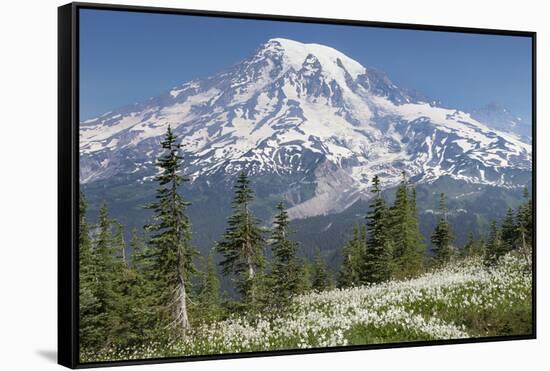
(311, 114)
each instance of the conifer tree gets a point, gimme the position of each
(408, 248)
(509, 231)
(170, 241)
(479, 249)
(442, 237)
(494, 248)
(209, 302)
(140, 259)
(284, 277)
(242, 245)
(353, 256)
(320, 275)
(304, 283)
(105, 278)
(469, 246)
(119, 244)
(525, 222)
(89, 336)
(377, 266)
(84, 241)
(142, 296)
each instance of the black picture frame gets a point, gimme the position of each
(68, 178)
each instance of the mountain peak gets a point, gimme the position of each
(304, 111)
(295, 53)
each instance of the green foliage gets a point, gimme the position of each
(209, 302)
(243, 243)
(407, 241)
(353, 257)
(171, 251)
(379, 250)
(468, 249)
(525, 223)
(473, 247)
(105, 280)
(304, 273)
(320, 275)
(509, 232)
(89, 306)
(442, 237)
(285, 272)
(494, 248)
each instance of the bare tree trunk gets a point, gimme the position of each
(181, 315)
(251, 272)
(251, 275)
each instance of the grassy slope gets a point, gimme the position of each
(463, 300)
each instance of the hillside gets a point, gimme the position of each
(463, 300)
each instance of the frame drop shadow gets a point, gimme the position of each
(50, 355)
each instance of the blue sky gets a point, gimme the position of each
(127, 57)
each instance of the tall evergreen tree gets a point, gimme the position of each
(320, 275)
(140, 305)
(304, 284)
(509, 231)
(105, 278)
(479, 249)
(408, 246)
(493, 247)
(89, 334)
(377, 267)
(119, 244)
(525, 222)
(242, 244)
(209, 302)
(442, 237)
(140, 258)
(353, 257)
(284, 277)
(170, 241)
(469, 246)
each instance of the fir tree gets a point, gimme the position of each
(119, 244)
(353, 256)
(408, 248)
(140, 258)
(377, 266)
(242, 245)
(525, 223)
(105, 279)
(89, 334)
(320, 275)
(304, 283)
(479, 249)
(284, 278)
(442, 237)
(509, 231)
(209, 302)
(171, 250)
(142, 310)
(469, 246)
(494, 248)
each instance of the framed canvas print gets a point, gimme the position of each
(235, 185)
